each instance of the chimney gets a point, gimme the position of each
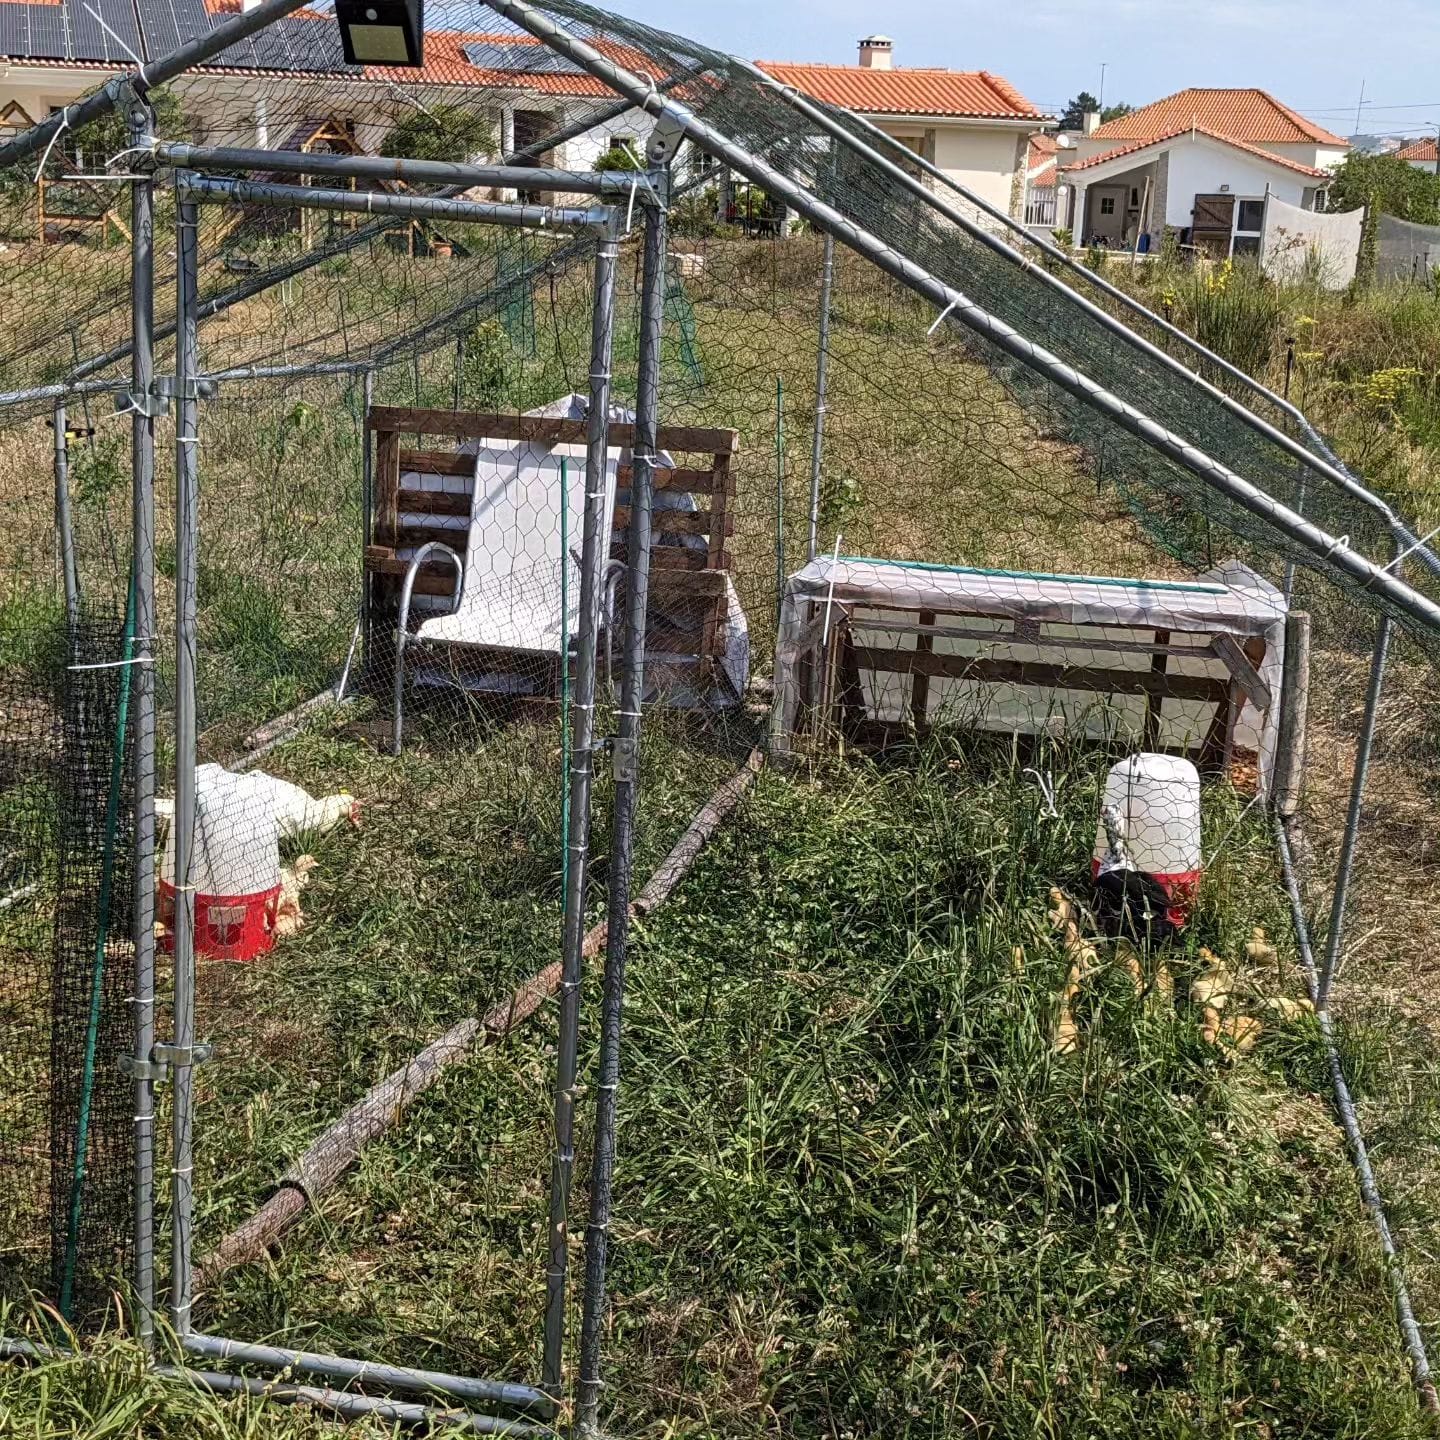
(1090, 122)
(877, 52)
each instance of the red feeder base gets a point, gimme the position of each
(227, 927)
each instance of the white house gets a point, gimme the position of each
(1422, 154)
(1199, 162)
(972, 124)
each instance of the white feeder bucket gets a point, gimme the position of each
(1156, 800)
(235, 869)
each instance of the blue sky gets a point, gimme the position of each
(1313, 54)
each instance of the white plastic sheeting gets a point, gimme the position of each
(1316, 245)
(1055, 620)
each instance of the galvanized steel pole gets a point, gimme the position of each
(64, 528)
(582, 733)
(181, 1052)
(142, 465)
(622, 834)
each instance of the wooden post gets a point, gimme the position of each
(920, 681)
(1294, 707)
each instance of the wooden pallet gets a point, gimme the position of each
(685, 578)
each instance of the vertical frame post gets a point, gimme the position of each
(627, 784)
(582, 733)
(186, 556)
(142, 469)
(1335, 938)
(64, 530)
(822, 381)
(367, 520)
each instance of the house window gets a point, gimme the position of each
(1134, 197)
(1107, 204)
(1249, 221)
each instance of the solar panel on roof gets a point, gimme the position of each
(525, 59)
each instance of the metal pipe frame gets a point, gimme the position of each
(622, 833)
(959, 308)
(1364, 747)
(63, 391)
(614, 185)
(1323, 464)
(1369, 1191)
(366, 1372)
(142, 700)
(822, 383)
(214, 189)
(297, 265)
(64, 527)
(402, 627)
(582, 751)
(342, 1403)
(187, 494)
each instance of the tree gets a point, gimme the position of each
(440, 132)
(1389, 186)
(1075, 112)
(1084, 104)
(622, 155)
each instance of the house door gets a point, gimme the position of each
(1211, 222)
(1107, 214)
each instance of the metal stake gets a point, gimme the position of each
(64, 530)
(622, 834)
(582, 733)
(142, 464)
(822, 377)
(186, 548)
(1335, 938)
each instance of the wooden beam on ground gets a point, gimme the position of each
(321, 1166)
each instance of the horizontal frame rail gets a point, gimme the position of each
(213, 189)
(367, 1372)
(616, 184)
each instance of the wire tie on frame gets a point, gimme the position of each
(941, 318)
(114, 664)
(60, 129)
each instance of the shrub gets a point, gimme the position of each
(443, 132)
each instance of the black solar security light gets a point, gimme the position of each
(382, 32)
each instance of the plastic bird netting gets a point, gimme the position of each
(392, 685)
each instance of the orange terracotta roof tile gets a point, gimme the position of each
(906, 90)
(1253, 116)
(1417, 150)
(447, 64)
(1120, 151)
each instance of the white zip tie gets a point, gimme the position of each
(113, 664)
(1418, 545)
(100, 20)
(630, 207)
(1046, 784)
(830, 593)
(59, 131)
(942, 318)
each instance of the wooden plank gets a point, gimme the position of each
(1244, 673)
(1029, 672)
(416, 533)
(437, 462)
(688, 582)
(920, 682)
(668, 557)
(433, 578)
(435, 502)
(472, 425)
(1153, 703)
(387, 484)
(683, 478)
(675, 642)
(673, 522)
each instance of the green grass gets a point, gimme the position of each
(859, 1193)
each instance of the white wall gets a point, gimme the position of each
(980, 158)
(1198, 167)
(1321, 157)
